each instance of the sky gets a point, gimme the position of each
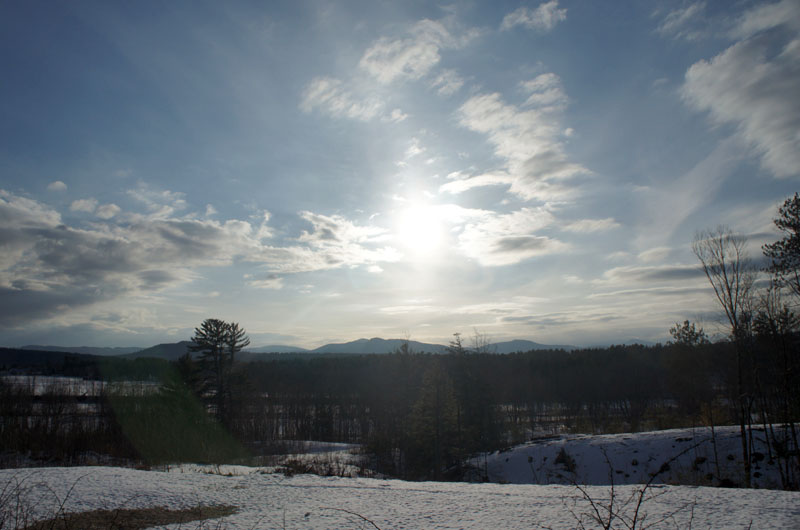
(326, 171)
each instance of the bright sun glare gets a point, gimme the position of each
(420, 230)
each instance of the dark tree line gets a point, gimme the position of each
(419, 415)
(422, 415)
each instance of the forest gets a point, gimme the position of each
(419, 415)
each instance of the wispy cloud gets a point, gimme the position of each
(333, 97)
(545, 92)
(649, 274)
(447, 83)
(396, 116)
(530, 141)
(591, 225)
(333, 242)
(505, 239)
(767, 16)
(411, 57)
(543, 18)
(754, 85)
(682, 23)
(270, 282)
(159, 203)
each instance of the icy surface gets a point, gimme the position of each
(312, 502)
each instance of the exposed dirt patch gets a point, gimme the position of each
(131, 519)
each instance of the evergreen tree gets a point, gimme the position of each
(217, 343)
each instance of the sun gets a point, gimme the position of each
(420, 230)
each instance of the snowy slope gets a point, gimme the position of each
(633, 458)
(311, 502)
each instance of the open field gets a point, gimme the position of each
(310, 502)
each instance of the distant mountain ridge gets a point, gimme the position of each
(519, 345)
(276, 348)
(88, 350)
(375, 345)
(378, 345)
(168, 351)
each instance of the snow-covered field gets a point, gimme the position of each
(690, 456)
(532, 491)
(312, 502)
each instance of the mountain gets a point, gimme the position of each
(11, 358)
(169, 351)
(378, 345)
(513, 346)
(641, 342)
(87, 350)
(275, 349)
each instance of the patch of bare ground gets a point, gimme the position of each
(131, 518)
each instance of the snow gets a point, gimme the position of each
(311, 502)
(75, 386)
(266, 499)
(633, 458)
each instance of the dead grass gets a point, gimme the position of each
(131, 519)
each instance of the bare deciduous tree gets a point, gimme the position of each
(730, 272)
(724, 259)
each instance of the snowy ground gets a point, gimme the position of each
(631, 458)
(312, 502)
(532, 491)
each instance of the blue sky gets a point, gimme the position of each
(322, 171)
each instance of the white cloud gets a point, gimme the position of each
(333, 97)
(530, 141)
(396, 116)
(83, 205)
(386, 60)
(656, 274)
(680, 23)
(107, 211)
(465, 183)
(543, 18)
(336, 229)
(505, 239)
(654, 254)
(333, 242)
(57, 185)
(768, 16)
(161, 204)
(414, 149)
(756, 90)
(592, 225)
(273, 282)
(412, 57)
(545, 92)
(447, 83)
(47, 266)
